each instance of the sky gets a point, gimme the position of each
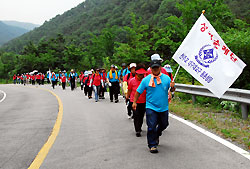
(34, 11)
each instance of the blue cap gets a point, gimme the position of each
(168, 68)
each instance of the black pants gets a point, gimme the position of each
(139, 115)
(114, 90)
(63, 85)
(90, 91)
(53, 84)
(129, 108)
(38, 81)
(72, 84)
(81, 86)
(48, 81)
(86, 90)
(42, 81)
(33, 82)
(102, 90)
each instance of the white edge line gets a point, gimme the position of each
(4, 96)
(213, 136)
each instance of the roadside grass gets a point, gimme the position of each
(5, 81)
(227, 124)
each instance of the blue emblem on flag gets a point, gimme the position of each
(207, 55)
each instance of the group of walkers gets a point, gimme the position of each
(145, 91)
(29, 78)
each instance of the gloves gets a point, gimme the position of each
(110, 84)
(89, 85)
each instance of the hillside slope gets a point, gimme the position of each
(9, 32)
(24, 25)
(94, 15)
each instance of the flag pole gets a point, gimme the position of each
(175, 76)
(176, 72)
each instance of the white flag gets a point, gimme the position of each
(207, 58)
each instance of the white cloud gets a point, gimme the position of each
(34, 11)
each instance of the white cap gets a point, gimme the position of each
(116, 67)
(156, 57)
(90, 72)
(132, 65)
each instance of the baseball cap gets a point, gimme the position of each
(155, 63)
(141, 71)
(132, 65)
(123, 64)
(113, 66)
(156, 57)
(168, 68)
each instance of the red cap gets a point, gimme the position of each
(141, 71)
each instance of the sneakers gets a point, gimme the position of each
(111, 100)
(129, 117)
(153, 150)
(138, 134)
(116, 101)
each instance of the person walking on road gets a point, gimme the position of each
(126, 80)
(103, 88)
(88, 84)
(72, 78)
(81, 77)
(84, 83)
(156, 86)
(140, 110)
(53, 79)
(63, 81)
(96, 82)
(113, 81)
(14, 79)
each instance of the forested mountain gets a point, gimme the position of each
(94, 15)
(98, 33)
(8, 32)
(24, 25)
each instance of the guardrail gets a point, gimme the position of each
(237, 95)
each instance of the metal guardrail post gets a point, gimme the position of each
(193, 99)
(244, 112)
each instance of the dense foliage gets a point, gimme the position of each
(100, 32)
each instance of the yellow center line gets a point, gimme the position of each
(47, 146)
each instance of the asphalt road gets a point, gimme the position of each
(27, 117)
(99, 136)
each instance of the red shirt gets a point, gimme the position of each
(133, 84)
(125, 79)
(14, 77)
(81, 76)
(63, 78)
(96, 79)
(43, 76)
(38, 77)
(163, 70)
(84, 79)
(33, 77)
(88, 78)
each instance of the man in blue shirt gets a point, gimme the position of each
(156, 86)
(113, 80)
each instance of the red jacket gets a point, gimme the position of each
(63, 78)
